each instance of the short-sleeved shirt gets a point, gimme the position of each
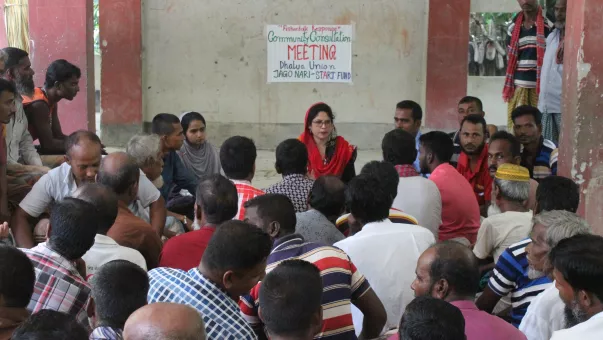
(510, 275)
(295, 186)
(500, 231)
(460, 211)
(481, 181)
(544, 315)
(59, 183)
(185, 251)
(105, 250)
(527, 58)
(313, 226)
(245, 191)
(480, 325)
(545, 164)
(342, 283)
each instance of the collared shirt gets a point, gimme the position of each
(460, 211)
(106, 333)
(510, 275)
(105, 249)
(313, 226)
(19, 143)
(588, 330)
(480, 325)
(59, 183)
(175, 174)
(500, 231)
(10, 319)
(545, 164)
(420, 198)
(551, 76)
(395, 215)
(342, 284)
(544, 316)
(387, 253)
(416, 163)
(58, 286)
(481, 181)
(185, 251)
(245, 191)
(220, 312)
(297, 187)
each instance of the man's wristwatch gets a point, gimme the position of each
(184, 220)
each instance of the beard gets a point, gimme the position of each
(476, 150)
(25, 85)
(493, 209)
(158, 182)
(574, 314)
(534, 274)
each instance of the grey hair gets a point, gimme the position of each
(515, 191)
(561, 224)
(144, 149)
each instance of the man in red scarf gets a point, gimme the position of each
(526, 48)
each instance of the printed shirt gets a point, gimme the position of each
(245, 191)
(58, 286)
(527, 55)
(395, 215)
(510, 275)
(342, 284)
(551, 77)
(313, 226)
(480, 325)
(481, 181)
(545, 164)
(185, 251)
(297, 187)
(106, 333)
(220, 312)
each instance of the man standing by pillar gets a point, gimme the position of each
(549, 101)
(526, 48)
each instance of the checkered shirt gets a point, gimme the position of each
(246, 192)
(58, 286)
(295, 186)
(220, 312)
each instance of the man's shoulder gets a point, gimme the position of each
(516, 251)
(508, 217)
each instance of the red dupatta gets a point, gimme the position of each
(316, 165)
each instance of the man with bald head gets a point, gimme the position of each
(120, 174)
(165, 321)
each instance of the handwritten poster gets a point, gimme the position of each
(309, 53)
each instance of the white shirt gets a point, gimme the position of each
(105, 249)
(387, 253)
(544, 315)
(420, 197)
(59, 183)
(500, 231)
(589, 330)
(551, 80)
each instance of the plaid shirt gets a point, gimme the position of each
(106, 333)
(220, 312)
(246, 192)
(295, 186)
(58, 286)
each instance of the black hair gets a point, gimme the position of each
(525, 110)
(475, 119)
(237, 156)
(7, 86)
(557, 193)
(236, 245)
(275, 207)
(76, 137)
(14, 56)
(417, 111)
(105, 201)
(217, 197)
(580, 260)
(59, 71)
(287, 308)
(122, 180)
(73, 225)
(470, 99)
(428, 318)
(316, 109)
(458, 265)
(367, 199)
(50, 325)
(386, 174)
(163, 124)
(17, 277)
(438, 143)
(328, 196)
(399, 147)
(190, 117)
(291, 157)
(514, 143)
(119, 288)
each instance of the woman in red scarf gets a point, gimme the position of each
(328, 154)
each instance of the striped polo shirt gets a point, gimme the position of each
(511, 276)
(341, 280)
(527, 59)
(545, 164)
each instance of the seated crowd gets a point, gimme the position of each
(469, 235)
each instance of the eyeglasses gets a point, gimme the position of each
(321, 123)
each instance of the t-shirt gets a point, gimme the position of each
(527, 58)
(105, 250)
(185, 251)
(480, 325)
(500, 231)
(420, 198)
(544, 315)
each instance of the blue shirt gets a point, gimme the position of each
(417, 164)
(175, 174)
(545, 164)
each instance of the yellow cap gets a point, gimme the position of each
(512, 172)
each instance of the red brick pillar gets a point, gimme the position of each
(581, 144)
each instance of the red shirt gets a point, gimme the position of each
(481, 181)
(246, 192)
(185, 251)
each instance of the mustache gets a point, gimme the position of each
(493, 168)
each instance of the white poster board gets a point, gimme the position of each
(309, 53)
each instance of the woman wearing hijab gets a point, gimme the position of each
(328, 154)
(198, 155)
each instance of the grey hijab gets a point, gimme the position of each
(201, 161)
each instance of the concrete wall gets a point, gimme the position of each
(210, 56)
